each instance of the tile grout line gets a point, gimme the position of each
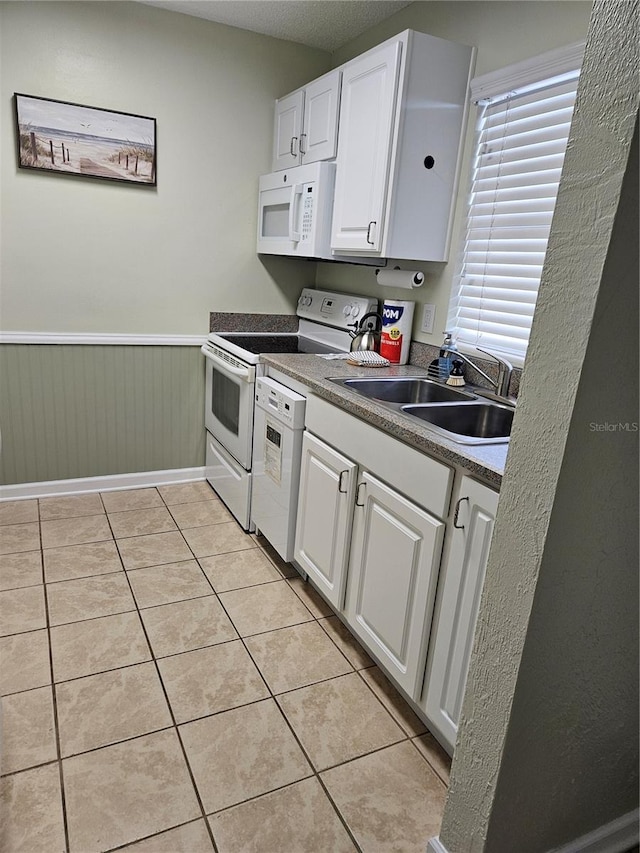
(274, 696)
(207, 823)
(412, 741)
(54, 698)
(315, 773)
(408, 736)
(166, 698)
(283, 716)
(153, 835)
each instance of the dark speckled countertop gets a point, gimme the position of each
(486, 461)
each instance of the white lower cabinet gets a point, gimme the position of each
(356, 534)
(325, 506)
(393, 570)
(371, 525)
(369, 535)
(459, 590)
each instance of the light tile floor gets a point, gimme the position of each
(170, 686)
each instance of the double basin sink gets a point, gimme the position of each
(459, 415)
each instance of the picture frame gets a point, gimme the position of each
(60, 137)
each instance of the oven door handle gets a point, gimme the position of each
(248, 374)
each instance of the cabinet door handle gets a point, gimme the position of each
(340, 489)
(358, 493)
(373, 222)
(303, 151)
(456, 513)
(293, 147)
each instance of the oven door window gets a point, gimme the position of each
(225, 401)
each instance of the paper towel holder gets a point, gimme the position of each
(397, 277)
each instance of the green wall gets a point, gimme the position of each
(89, 257)
(72, 410)
(81, 255)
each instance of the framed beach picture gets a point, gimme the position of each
(59, 137)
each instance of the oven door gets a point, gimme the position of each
(229, 391)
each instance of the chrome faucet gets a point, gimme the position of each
(505, 369)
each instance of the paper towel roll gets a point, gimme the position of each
(407, 279)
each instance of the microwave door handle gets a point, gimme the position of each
(246, 373)
(294, 207)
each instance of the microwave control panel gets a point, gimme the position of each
(307, 211)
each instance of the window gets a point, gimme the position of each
(524, 115)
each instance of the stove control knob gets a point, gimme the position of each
(355, 310)
(305, 300)
(347, 310)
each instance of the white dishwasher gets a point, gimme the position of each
(277, 449)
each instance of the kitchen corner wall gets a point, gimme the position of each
(503, 33)
(88, 256)
(547, 750)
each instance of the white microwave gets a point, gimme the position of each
(294, 211)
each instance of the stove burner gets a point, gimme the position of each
(282, 343)
(264, 343)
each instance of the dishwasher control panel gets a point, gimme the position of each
(285, 405)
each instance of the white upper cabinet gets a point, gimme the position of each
(287, 129)
(369, 86)
(320, 127)
(403, 113)
(306, 123)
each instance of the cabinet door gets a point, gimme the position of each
(325, 508)
(320, 132)
(287, 127)
(367, 111)
(393, 571)
(459, 601)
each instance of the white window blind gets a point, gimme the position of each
(521, 137)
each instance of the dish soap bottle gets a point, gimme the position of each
(445, 357)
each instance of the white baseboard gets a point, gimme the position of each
(108, 483)
(616, 837)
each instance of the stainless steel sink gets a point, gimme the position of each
(406, 390)
(470, 423)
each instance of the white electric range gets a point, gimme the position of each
(234, 360)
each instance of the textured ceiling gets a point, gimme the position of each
(325, 24)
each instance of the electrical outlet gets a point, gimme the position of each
(428, 317)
